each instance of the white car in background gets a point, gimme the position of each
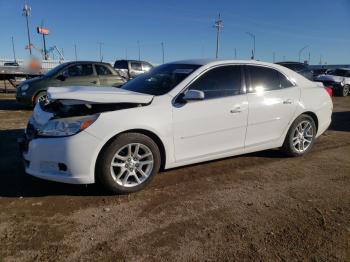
(177, 114)
(338, 80)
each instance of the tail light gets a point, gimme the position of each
(329, 90)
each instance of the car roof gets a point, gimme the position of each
(87, 62)
(290, 62)
(202, 62)
(131, 60)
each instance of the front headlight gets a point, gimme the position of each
(66, 126)
(24, 87)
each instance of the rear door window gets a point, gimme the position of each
(102, 70)
(136, 66)
(266, 79)
(79, 70)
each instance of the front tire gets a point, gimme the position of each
(300, 137)
(41, 97)
(128, 163)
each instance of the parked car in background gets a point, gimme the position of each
(11, 64)
(131, 68)
(300, 68)
(178, 114)
(317, 72)
(338, 80)
(77, 73)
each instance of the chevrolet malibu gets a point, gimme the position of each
(177, 114)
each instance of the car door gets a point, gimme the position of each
(135, 69)
(272, 100)
(107, 77)
(79, 75)
(217, 124)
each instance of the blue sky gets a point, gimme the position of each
(185, 27)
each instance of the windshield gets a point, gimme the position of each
(340, 72)
(160, 80)
(55, 70)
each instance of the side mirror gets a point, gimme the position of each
(191, 95)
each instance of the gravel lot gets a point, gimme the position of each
(260, 206)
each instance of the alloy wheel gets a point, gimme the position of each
(132, 165)
(303, 136)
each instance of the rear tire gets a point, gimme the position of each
(344, 90)
(300, 137)
(128, 163)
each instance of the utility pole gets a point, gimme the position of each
(13, 50)
(253, 37)
(301, 50)
(27, 11)
(274, 57)
(309, 58)
(75, 52)
(162, 44)
(44, 42)
(138, 46)
(235, 53)
(100, 45)
(218, 25)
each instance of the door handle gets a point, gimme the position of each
(236, 110)
(287, 101)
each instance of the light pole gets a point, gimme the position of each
(162, 44)
(138, 46)
(274, 57)
(13, 50)
(301, 50)
(100, 47)
(253, 37)
(27, 11)
(218, 25)
(75, 52)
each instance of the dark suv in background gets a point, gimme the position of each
(78, 73)
(131, 68)
(301, 68)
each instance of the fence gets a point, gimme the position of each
(45, 64)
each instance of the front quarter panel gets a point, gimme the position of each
(156, 118)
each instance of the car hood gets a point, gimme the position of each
(330, 78)
(96, 95)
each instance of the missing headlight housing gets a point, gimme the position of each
(60, 127)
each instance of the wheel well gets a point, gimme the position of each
(314, 117)
(148, 133)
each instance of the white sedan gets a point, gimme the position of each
(177, 114)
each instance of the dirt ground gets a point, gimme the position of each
(260, 206)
